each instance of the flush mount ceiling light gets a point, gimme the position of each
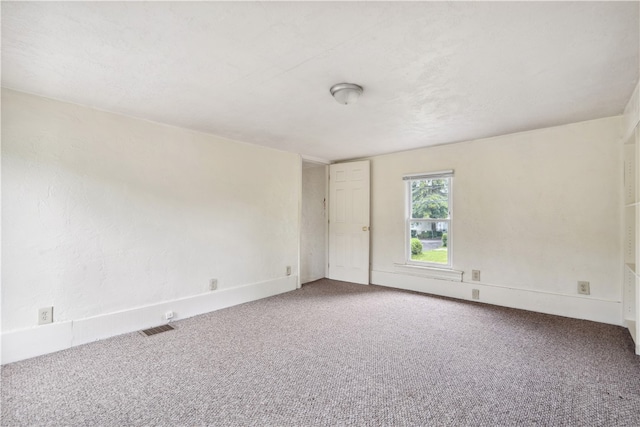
(346, 93)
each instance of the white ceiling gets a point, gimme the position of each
(260, 72)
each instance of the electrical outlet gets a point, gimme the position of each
(168, 315)
(45, 315)
(213, 284)
(288, 270)
(583, 288)
(475, 275)
(475, 293)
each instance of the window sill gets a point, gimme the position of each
(430, 272)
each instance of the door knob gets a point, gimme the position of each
(365, 228)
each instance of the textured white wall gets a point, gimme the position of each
(314, 222)
(537, 211)
(103, 213)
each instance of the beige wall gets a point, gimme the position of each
(535, 212)
(104, 213)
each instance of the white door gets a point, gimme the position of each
(349, 222)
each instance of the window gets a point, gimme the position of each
(429, 219)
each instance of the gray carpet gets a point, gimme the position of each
(334, 353)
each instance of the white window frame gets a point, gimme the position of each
(408, 220)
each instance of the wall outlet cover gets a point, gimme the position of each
(45, 315)
(584, 288)
(475, 275)
(288, 270)
(213, 284)
(475, 293)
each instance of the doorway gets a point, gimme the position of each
(313, 227)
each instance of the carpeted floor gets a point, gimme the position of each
(335, 353)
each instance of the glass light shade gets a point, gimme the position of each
(346, 93)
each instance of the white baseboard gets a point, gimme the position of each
(597, 310)
(44, 339)
(27, 343)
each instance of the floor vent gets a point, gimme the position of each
(156, 330)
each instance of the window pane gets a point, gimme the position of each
(430, 198)
(429, 242)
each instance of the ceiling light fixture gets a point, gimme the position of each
(346, 93)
